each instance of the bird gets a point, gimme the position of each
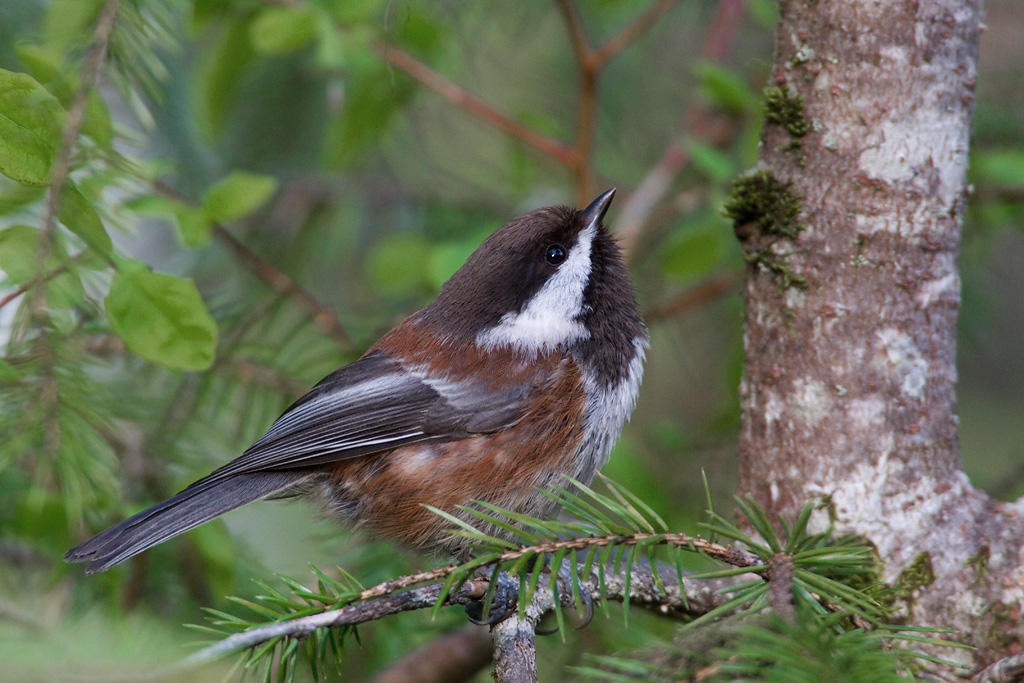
(520, 374)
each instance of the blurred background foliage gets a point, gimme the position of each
(231, 143)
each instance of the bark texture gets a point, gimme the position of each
(849, 387)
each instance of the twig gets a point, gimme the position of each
(720, 36)
(780, 585)
(452, 657)
(995, 193)
(587, 113)
(1004, 670)
(277, 279)
(9, 612)
(418, 598)
(641, 203)
(691, 298)
(623, 38)
(577, 35)
(696, 597)
(390, 598)
(250, 372)
(460, 97)
(73, 125)
(42, 279)
(49, 390)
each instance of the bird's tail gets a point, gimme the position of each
(198, 504)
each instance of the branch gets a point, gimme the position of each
(780, 585)
(1005, 670)
(702, 293)
(651, 190)
(588, 99)
(623, 38)
(9, 612)
(696, 597)
(577, 35)
(456, 656)
(278, 280)
(420, 72)
(640, 588)
(42, 279)
(72, 127)
(418, 598)
(48, 390)
(637, 210)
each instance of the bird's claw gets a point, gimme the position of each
(503, 603)
(586, 602)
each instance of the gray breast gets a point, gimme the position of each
(608, 409)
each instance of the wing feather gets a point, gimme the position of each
(371, 406)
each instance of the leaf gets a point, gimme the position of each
(444, 259)
(396, 265)
(220, 71)
(79, 216)
(162, 318)
(237, 194)
(693, 253)
(998, 166)
(30, 128)
(19, 260)
(152, 205)
(14, 197)
(18, 252)
(44, 64)
(373, 95)
(194, 225)
(725, 88)
(277, 30)
(711, 162)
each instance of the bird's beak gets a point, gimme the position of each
(593, 214)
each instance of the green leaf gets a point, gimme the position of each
(693, 253)
(396, 265)
(79, 216)
(373, 95)
(711, 162)
(45, 65)
(194, 225)
(162, 318)
(725, 88)
(30, 128)
(68, 21)
(14, 197)
(19, 260)
(152, 205)
(765, 13)
(445, 259)
(237, 194)
(277, 30)
(220, 70)
(18, 256)
(998, 166)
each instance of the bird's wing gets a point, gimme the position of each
(371, 406)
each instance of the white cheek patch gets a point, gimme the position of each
(549, 319)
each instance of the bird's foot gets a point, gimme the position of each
(584, 608)
(503, 602)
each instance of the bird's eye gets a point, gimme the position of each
(555, 254)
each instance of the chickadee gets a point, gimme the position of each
(520, 373)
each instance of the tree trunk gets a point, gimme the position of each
(851, 228)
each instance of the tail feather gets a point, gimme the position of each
(199, 503)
